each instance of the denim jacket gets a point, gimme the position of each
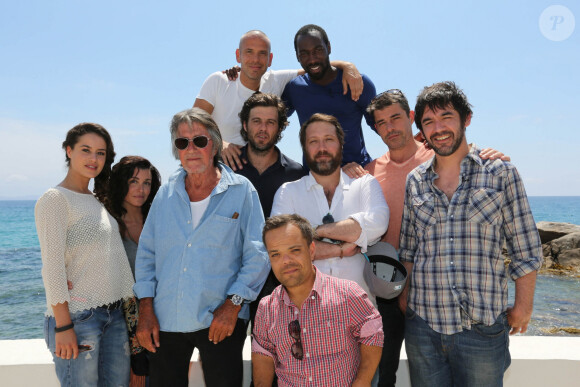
(190, 272)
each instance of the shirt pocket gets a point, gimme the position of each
(225, 232)
(485, 206)
(424, 209)
(332, 334)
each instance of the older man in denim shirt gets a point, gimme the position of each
(200, 261)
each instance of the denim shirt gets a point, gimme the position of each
(190, 272)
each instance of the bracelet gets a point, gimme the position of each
(64, 328)
(341, 252)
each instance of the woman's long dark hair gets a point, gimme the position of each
(119, 186)
(72, 137)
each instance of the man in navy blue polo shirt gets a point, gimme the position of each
(320, 91)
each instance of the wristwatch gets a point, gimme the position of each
(235, 299)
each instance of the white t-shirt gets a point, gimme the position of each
(228, 97)
(197, 210)
(360, 199)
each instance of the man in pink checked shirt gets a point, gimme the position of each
(313, 329)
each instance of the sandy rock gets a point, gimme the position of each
(570, 258)
(553, 230)
(560, 247)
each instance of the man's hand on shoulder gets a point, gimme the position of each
(352, 79)
(492, 154)
(354, 171)
(420, 138)
(224, 321)
(231, 156)
(232, 73)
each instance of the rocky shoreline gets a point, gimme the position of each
(561, 248)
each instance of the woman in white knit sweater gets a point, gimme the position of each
(85, 269)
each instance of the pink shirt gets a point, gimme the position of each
(334, 320)
(392, 177)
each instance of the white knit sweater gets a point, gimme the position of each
(80, 242)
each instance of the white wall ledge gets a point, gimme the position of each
(536, 361)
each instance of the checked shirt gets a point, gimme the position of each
(334, 320)
(459, 277)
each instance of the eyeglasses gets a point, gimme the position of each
(294, 330)
(200, 142)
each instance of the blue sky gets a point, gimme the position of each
(131, 65)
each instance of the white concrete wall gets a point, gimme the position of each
(536, 361)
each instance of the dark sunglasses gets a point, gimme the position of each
(294, 330)
(200, 142)
(328, 218)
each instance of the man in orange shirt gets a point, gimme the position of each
(393, 121)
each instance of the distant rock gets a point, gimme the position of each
(553, 230)
(561, 247)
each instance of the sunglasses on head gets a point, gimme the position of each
(200, 142)
(294, 331)
(390, 91)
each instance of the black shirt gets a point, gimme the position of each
(282, 171)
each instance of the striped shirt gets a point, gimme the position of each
(334, 320)
(459, 277)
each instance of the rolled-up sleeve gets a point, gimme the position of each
(365, 321)
(145, 279)
(374, 217)
(260, 343)
(522, 238)
(255, 261)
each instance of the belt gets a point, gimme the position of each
(113, 305)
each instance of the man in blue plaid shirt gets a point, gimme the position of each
(459, 211)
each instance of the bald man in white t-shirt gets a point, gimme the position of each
(224, 99)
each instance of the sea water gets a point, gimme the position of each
(22, 301)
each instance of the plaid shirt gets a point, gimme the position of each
(459, 277)
(336, 317)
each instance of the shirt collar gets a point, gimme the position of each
(344, 181)
(228, 178)
(281, 158)
(316, 288)
(472, 155)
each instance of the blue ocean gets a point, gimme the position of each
(22, 302)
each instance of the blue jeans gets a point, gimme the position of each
(475, 357)
(107, 362)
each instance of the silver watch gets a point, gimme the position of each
(236, 300)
